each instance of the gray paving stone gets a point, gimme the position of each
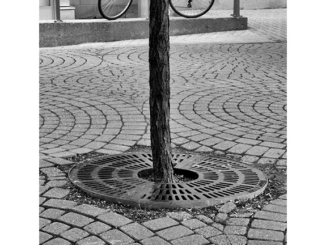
(56, 193)
(282, 162)
(210, 141)
(220, 240)
(270, 216)
(242, 215)
(92, 240)
(238, 221)
(116, 237)
(89, 210)
(235, 230)
(180, 216)
(208, 231)
(136, 231)
(52, 213)
(257, 242)
(249, 159)
(43, 164)
(43, 222)
(224, 145)
(41, 200)
(268, 225)
(280, 202)
(159, 224)
(76, 219)
(60, 161)
(174, 232)
(74, 234)
(265, 160)
(190, 240)
(191, 146)
(193, 223)
(227, 208)
(218, 226)
(257, 150)
(43, 189)
(43, 237)
(237, 240)
(56, 228)
(56, 183)
(57, 241)
(248, 141)
(275, 208)
(56, 203)
(204, 219)
(154, 241)
(273, 145)
(240, 148)
(274, 153)
(221, 218)
(114, 219)
(204, 149)
(283, 197)
(97, 227)
(261, 234)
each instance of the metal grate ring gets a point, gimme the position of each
(116, 178)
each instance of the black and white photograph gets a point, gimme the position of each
(162, 122)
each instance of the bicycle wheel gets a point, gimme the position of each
(191, 8)
(113, 9)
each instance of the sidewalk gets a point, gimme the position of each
(228, 98)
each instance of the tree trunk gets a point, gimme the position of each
(159, 80)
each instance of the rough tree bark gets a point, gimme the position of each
(159, 80)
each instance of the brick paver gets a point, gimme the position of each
(57, 241)
(159, 224)
(89, 210)
(191, 240)
(74, 234)
(52, 213)
(174, 232)
(265, 235)
(97, 227)
(56, 228)
(114, 219)
(91, 240)
(193, 223)
(208, 231)
(154, 240)
(76, 219)
(116, 237)
(270, 216)
(269, 225)
(136, 231)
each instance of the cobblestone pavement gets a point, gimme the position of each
(228, 97)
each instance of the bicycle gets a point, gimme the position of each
(114, 9)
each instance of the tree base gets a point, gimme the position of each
(180, 176)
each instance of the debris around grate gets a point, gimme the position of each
(116, 178)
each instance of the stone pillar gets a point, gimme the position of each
(143, 8)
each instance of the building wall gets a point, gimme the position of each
(251, 4)
(88, 9)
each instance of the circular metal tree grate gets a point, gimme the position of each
(116, 178)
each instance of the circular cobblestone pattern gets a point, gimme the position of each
(225, 99)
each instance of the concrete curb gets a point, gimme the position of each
(74, 32)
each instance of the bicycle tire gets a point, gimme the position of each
(113, 9)
(196, 8)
